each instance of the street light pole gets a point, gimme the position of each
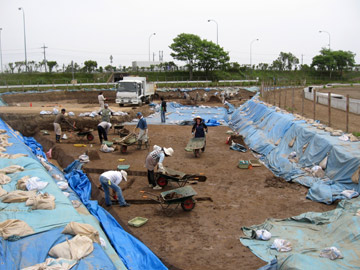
(153, 34)
(26, 66)
(1, 66)
(217, 31)
(322, 31)
(251, 50)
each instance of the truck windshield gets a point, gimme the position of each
(127, 87)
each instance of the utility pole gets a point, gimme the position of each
(302, 59)
(154, 56)
(43, 47)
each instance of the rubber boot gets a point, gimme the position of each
(57, 138)
(139, 145)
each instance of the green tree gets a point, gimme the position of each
(109, 68)
(11, 67)
(51, 65)
(90, 65)
(186, 48)
(330, 61)
(285, 61)
(19, 65)
(211, 56)
(263, 66)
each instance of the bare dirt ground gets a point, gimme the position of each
(208, 236)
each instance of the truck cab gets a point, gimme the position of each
(134, 91)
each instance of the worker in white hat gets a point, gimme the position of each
(156, 157)
(112, 179)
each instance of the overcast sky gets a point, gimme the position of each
(80, 30)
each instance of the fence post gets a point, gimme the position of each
(302, 102)
(274, 95)
(329, 108)
(347, 112)
(279, 98)
(292, 98)
(314, 116)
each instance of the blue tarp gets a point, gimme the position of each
(134, 254)
(45, 223)
(309, 233)
(176, 113)
(269, 131)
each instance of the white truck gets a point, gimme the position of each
(134, 91)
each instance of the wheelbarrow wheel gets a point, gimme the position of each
(161, 181)
(90, 137)
(188, 204)
(196, 153)
(123, 149)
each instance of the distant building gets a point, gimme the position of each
(145, 64)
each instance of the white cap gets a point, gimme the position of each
(169, 151)
(124, 174)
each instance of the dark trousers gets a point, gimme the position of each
(102, 134)
(151, 178)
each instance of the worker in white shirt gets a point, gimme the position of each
(112, 179)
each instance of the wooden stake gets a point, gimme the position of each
(347, 112)
(302, 102)
(329, 107)
(314, 117)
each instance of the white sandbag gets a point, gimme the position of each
(74, 249)
(42, 201)
(14, 227)
(4, 179)
(62, 185)
(291, 143)
(349, 194)
(104, 148)
(2, 191)
(12, 169)
(263, 235)
(355, 176)
(75, 228)
(34, 183)
(323, 163)
(21, 183)
(281, 245)
(17, 196)
(331, 253)
(53, 264)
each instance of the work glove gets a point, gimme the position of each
(161, 168)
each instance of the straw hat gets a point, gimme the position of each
(124, 174)
(168, 151)
(198, 117)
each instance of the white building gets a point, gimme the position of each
(145, 64)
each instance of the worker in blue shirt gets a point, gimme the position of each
(143, 133)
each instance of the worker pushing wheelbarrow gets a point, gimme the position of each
(198, 142)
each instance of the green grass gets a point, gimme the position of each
(279, 77)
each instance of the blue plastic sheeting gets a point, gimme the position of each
(176, 113)
(310, 233)
(269, 131)
(33, 249)
(134, 254)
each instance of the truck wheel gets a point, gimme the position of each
(140, 103)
